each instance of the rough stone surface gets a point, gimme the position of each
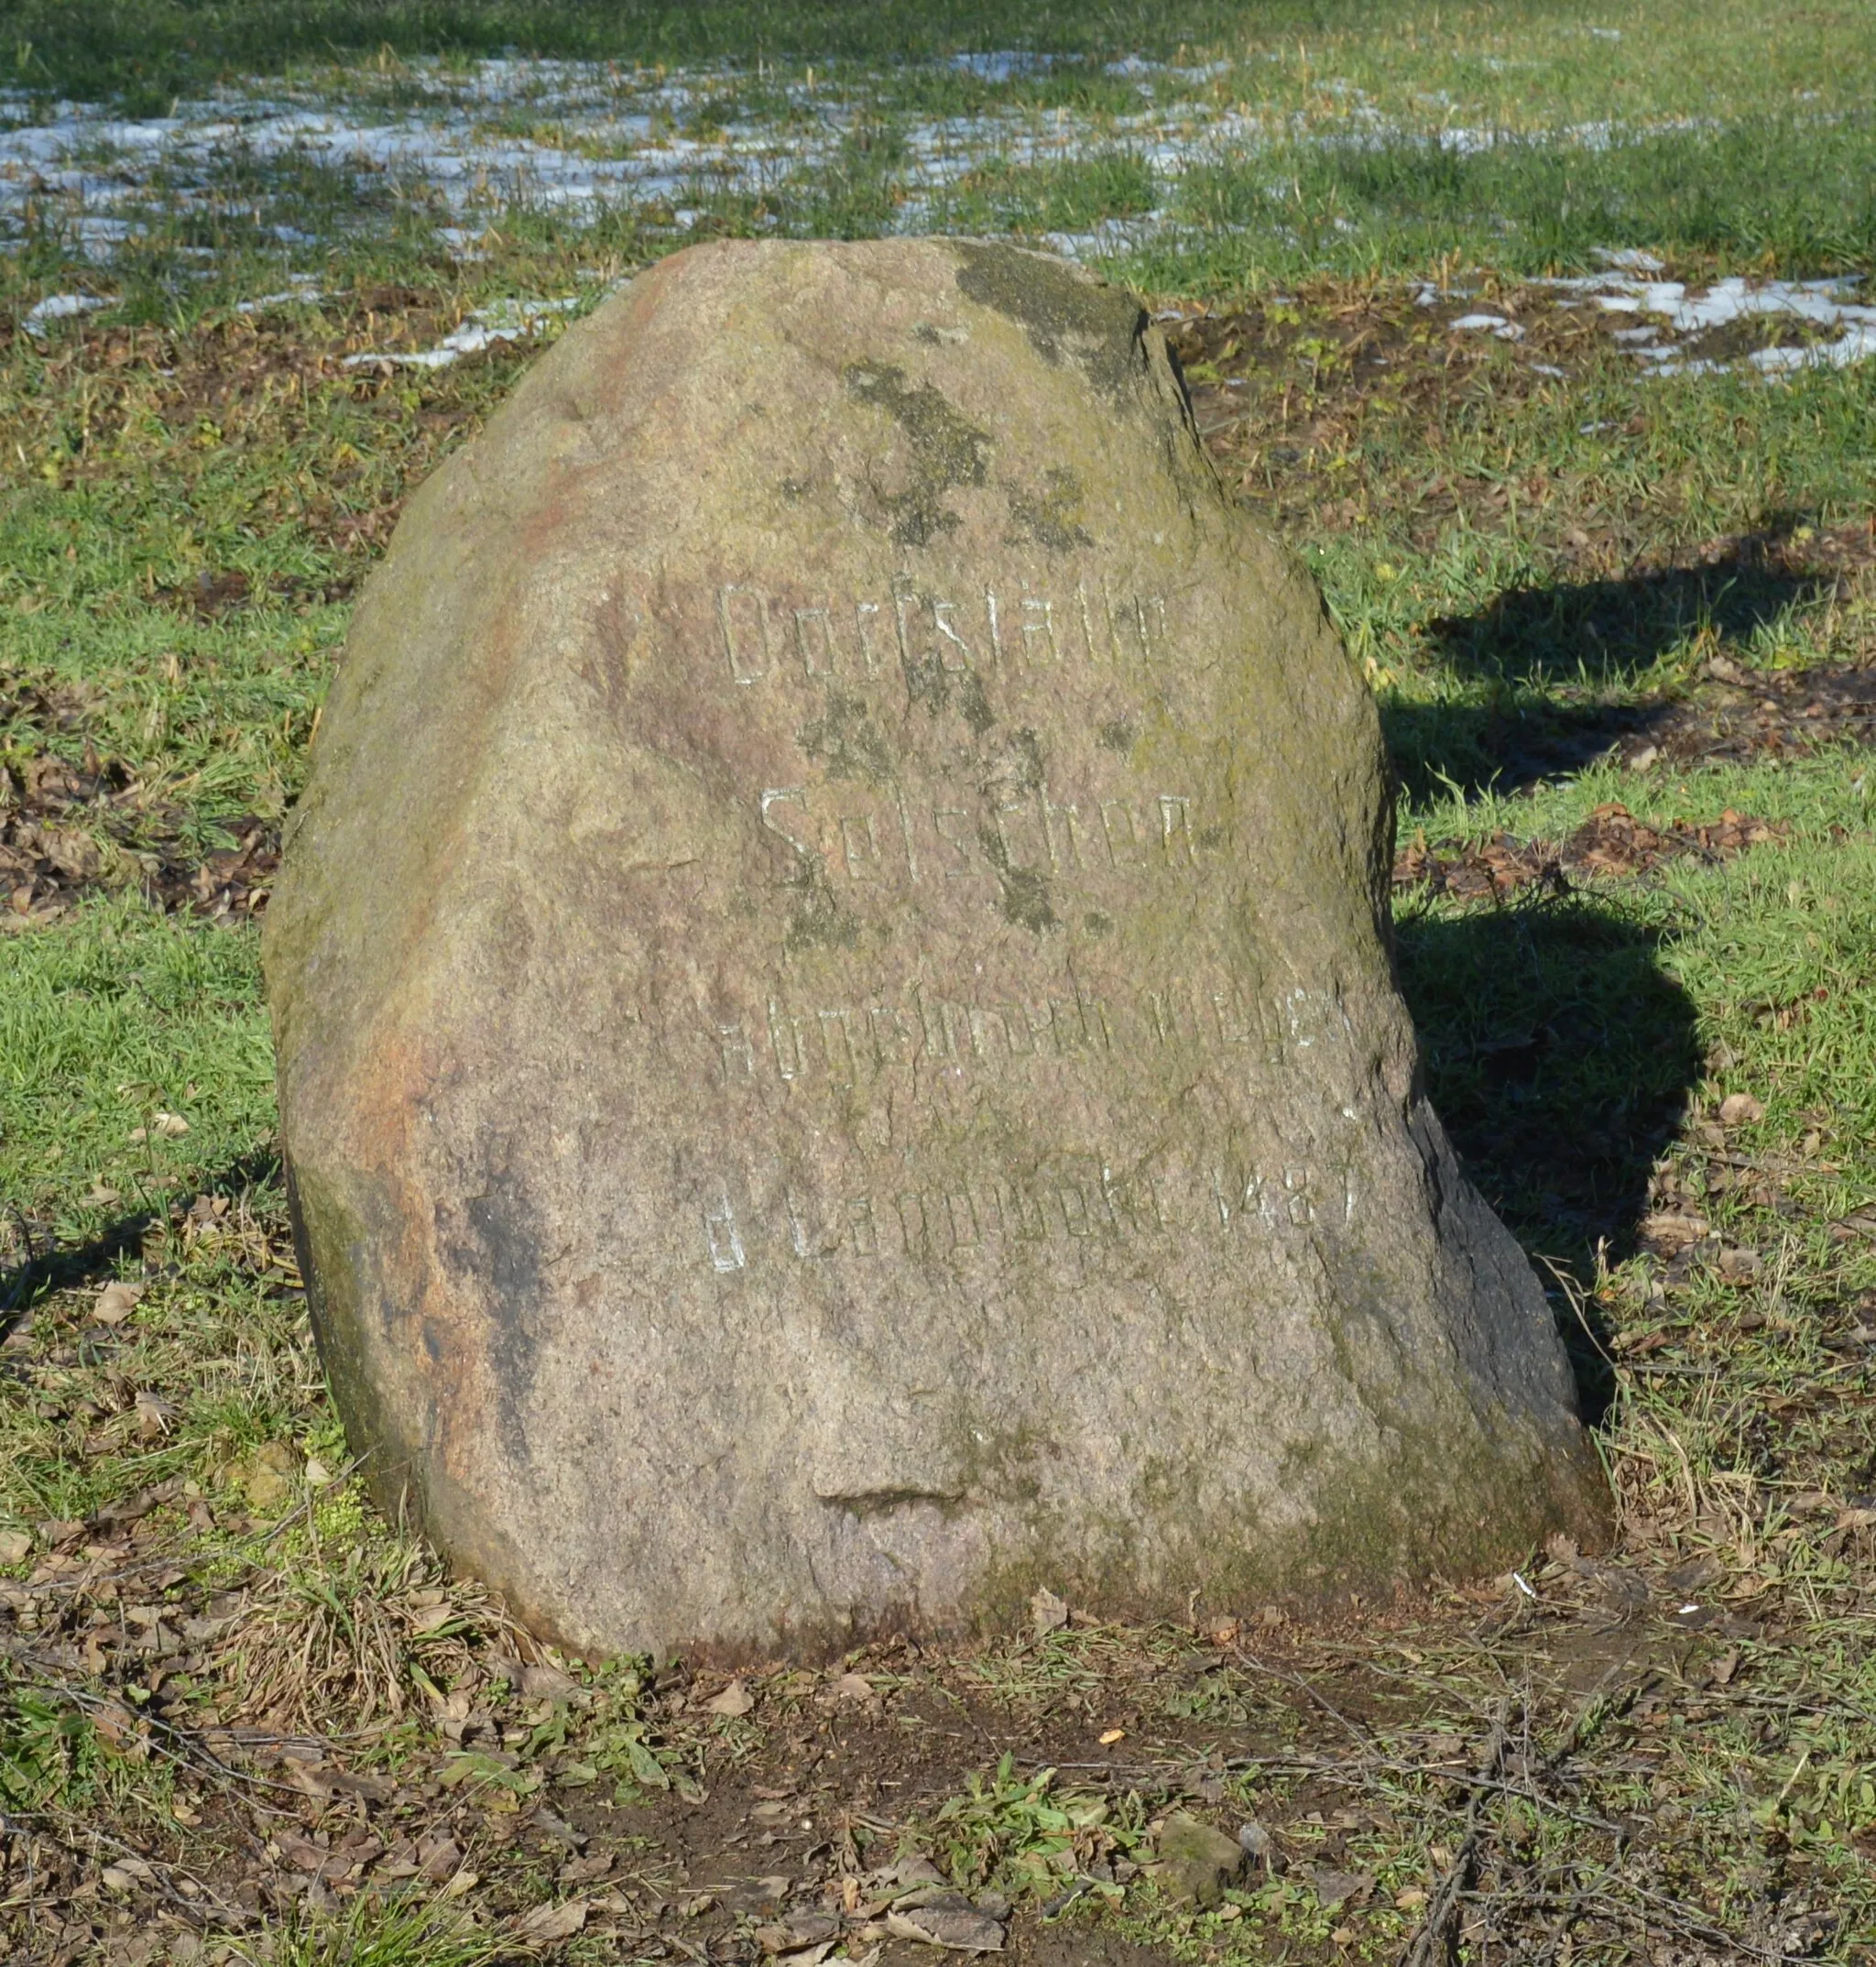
(838, 1053)
(1197, 1862)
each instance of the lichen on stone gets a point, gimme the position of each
(1067, 314)
(945, 449)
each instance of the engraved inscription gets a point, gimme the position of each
(1082, 1199)
(864, 837)
(852, 1044)
(765, 637)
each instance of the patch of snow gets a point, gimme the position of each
(1506, 331)
(582, 138)
(304, 292)
(61, 307)
(501, 321)
(1109, 239)
(1824, 303)
(1003, 64)
(1857, 343)
(462, 241)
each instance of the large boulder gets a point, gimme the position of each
(838, 1054)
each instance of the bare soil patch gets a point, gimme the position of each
(67, 829)
(1611, 844)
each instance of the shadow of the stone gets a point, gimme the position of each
(1505, 730)
(1615, 628)
(33, 1271)
(1560, 1056)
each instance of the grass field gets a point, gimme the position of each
(1448, 285)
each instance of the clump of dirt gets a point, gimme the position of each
(1611, 844)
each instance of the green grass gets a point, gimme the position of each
(1507, 56)
(371, 1934)
(1791, 193)
(107, 1025)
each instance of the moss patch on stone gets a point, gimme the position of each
(1066, 314)
(947, 450)
(1050, 515)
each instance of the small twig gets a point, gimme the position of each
(1296, 1680)
(1432, 1943)
(1492, 1785)
(1690, 1924)
(1573, 1295)
(60, 1829)
(187, 1750)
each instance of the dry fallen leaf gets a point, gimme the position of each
(1112, 1735)
(1737, 1109)
(115, 1301)
(153, 1416)
(735, 1700)
(852, 1687)
(437, 1856)
(171, 1126)
(961, 1927)
(555, 1922)
(1334, 1888)
(15, 1547)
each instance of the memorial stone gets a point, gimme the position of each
(838, 1051)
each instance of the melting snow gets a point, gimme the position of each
(1699, 311)
(579, 139)
(501, 321)
(58, 307)
(305, 291)
(1506, 331)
